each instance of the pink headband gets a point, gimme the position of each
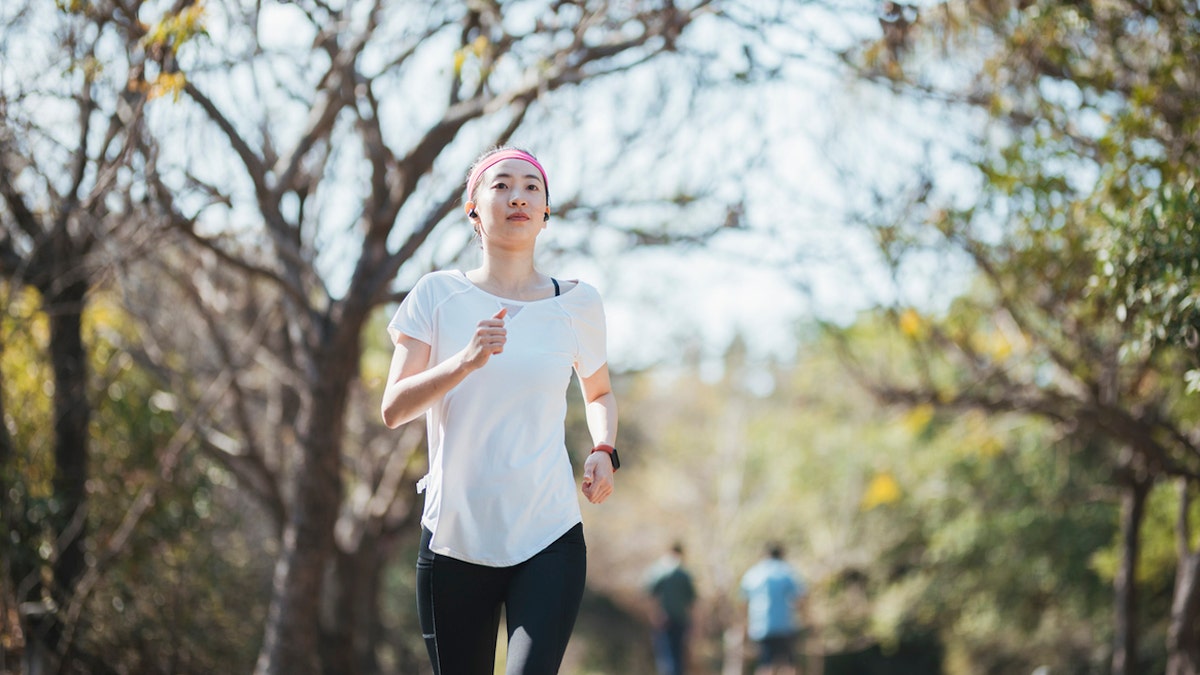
(496, 158)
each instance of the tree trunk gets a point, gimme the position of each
(1133, 508)
(57, 268)
(353, 628)
(42, 627)
(1183, 634)
(291, 644)
(72, 415)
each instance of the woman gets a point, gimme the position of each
(487, 356)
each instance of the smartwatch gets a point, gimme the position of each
(612, 454)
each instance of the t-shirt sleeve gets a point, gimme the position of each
(414, 316)
(591, 332)
(650, 579)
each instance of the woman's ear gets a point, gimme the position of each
(469, 207)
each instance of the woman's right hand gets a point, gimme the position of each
(413, 385)
(489, 338)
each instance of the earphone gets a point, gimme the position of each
(472, 214)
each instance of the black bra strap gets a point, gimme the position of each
(555, 286)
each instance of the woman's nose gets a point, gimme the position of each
(517, 200)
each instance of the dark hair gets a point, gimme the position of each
(775, 550)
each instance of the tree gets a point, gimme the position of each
(1149, 268)
(299, 204)
(1090, 122)
(68, 131)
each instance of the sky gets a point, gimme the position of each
(800, 253)
(660, 302)
(805, 252)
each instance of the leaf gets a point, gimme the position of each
(881, 491)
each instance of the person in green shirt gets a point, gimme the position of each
(670, 585)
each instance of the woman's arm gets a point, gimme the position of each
(413, 386)
(601, 410)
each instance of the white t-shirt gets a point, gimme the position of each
(500, 486)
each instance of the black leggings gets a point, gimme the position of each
(458, 604)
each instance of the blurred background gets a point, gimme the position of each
(909, 288)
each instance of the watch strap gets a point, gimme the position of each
(612, 454)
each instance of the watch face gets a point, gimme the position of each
(616, 460)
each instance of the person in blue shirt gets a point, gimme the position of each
(773, 592)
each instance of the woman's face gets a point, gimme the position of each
(511, 199)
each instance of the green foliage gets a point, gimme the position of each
(986, 535)
(1007, 546)
(1157, 562)
(28, 390)
(1103, 96)
(979, 391)
(1149, 262)
(991, 546)
(1085, 241)
(190, 578)
(27, 499)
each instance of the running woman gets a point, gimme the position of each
(487, 356)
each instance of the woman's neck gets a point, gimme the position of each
(509, 278)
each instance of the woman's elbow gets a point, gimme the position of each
(607, 399)
(392, 416)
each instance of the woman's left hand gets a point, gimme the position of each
(597, 477)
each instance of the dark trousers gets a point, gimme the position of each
(670, 647)
(458, 604)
